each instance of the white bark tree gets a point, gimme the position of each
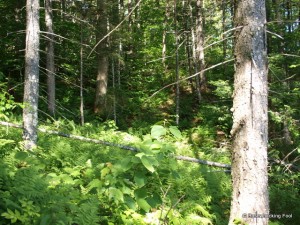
(250, 116)
(31, 89)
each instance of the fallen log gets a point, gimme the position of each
(125, 147)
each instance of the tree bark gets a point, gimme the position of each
(81, 76)
(164, 35)
(224, 7)
(177, 98)
(31, 89)
(194, 51)
(102, 72)
(250, 199)
(200, 45)
(50, 58)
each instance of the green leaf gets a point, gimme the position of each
(149, 163)
(140, 155)
(116, 194)
(130, 202)
(126, 164)
(156, 146)
(74, 172)
(95, 183)
(140, 193)
(237, 221)
(157, 131)
(139, 179)
(66, 179)
(11, 215)
(4, 142)
(21, 155)
(154, 200)
(143, 204)
(104, 172)
(175, 131)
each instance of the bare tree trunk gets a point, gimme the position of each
(101, 85)
(81, 77)
(197, 79)
(200, 44)
(114, 88)
(250, 199)
(31, 89)
(120, 63)
(63, 9)
(176, 66)
(189, 43)
(224, 5)
(164, 36)
(50, 58)
(102, 73)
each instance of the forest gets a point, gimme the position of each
(150, 112)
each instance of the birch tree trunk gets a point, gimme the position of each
(50, 58)
(250, 199)
(31, 89)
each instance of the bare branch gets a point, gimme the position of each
(201, 161)
(186, 78)
(286, 165)
(292, 55)
(125, 147)
(134, 149)
(62, 37)
(109, 33)
(277, 35)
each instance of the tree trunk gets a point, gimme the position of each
(114, 88)
(50, 58)
(102, 72)
(250, 199)
(101, 86)
(224, 7)
(81, 76)
(177, 112)
(200, 44)
(31, 89)
(194, 48)
(164, 35)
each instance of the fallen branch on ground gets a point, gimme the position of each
(125, 147)
(201, 161)
(130, 148)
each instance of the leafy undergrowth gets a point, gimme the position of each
(67, 181)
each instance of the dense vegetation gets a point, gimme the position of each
(67, 181)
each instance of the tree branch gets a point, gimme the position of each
(125, 147)
(130, 148)
(109, 33)
(186, 78)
